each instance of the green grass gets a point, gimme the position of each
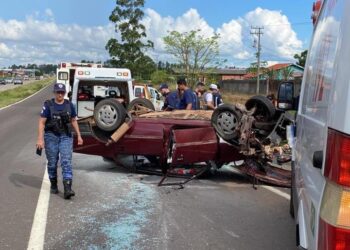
(10, 96)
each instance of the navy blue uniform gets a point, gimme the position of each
(58, 146)
(186, 98)
(171, 101)
(217, 99)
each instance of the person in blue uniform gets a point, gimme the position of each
(54, 134)
(171, 97)
(186, 95)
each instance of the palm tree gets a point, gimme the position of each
(287, 72)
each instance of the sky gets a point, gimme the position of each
(52, 31)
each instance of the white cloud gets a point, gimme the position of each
(43, 41)
(40, 39)
(279, 39)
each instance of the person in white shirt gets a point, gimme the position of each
(208, 97)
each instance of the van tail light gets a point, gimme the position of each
(337, 167)
(334, 223)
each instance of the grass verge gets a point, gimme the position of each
(10, 96)
(232, 98)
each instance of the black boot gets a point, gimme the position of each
(68, 192)
(54, 188)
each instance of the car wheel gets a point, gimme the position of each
(225, 120)
(109, 114)
(139, 103)
(265, 111)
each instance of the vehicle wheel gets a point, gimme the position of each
(109, 114)
(267, 126)
(265, 111)
(139, 103)
(225, 120)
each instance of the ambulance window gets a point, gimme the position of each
(319, 70)
(63, 76)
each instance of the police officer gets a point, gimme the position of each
(187, 98)
(55, 135)
(171, 98)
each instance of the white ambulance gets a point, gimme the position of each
(66, 71)
(321, 171)
(91, 85)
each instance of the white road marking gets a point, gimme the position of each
(37, 234)
(278, 192)
(24, 98)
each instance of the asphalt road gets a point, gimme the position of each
(114, 209)
(12, 86)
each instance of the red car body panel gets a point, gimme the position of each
(185, 141)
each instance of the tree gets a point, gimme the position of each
(128, 50)
(301, 58)
(160, 76)
(144, 67)
(287, 72)
(253, 69)
(193, 51)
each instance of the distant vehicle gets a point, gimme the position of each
(25, 78)
(150, 93)
(2, 81)
(66, 73)
(17, 81)
(8, 80)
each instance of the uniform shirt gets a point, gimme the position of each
(196, 103)
(217, 99)
(45, 112)
(187, 98)
(171, 100)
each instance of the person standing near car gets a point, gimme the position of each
(55, 136)
(209, 97)
(198, 92)
(187, 100)
(171, 99)
(217, 98)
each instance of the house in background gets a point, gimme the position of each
(230, 74)
(286, 70)
(218, 74)
(281, 71)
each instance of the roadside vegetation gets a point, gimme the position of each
(10, 96)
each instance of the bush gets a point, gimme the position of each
(160, 76)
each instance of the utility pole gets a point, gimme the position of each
(257, 31)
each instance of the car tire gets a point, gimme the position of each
(225, 120)
(133, 106)
(265, 111)
(267, 126)
(109, 114)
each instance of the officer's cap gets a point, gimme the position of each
(59, 87)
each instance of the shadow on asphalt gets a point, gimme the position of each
(22, 180)
(223, 175)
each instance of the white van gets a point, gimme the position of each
(92, 85)
(65, 73)
(321, 170)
